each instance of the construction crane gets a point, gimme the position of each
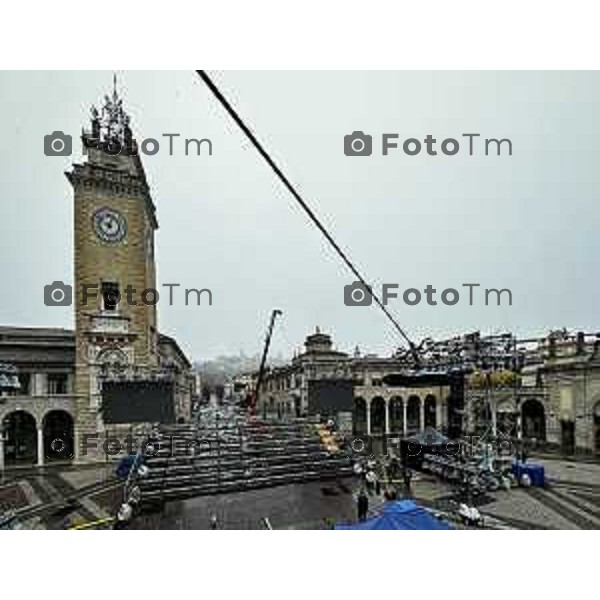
(263, 362)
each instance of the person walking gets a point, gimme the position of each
(362, 505)
(371, 478)
(407, 476)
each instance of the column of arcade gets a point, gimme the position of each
(379, 415)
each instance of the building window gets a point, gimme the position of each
(57, 383)
(25, 383)
(110, 295)
(376, 382)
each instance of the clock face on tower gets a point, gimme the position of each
(109, 225)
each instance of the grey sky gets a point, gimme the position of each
(528, 222)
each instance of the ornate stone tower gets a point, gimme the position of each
(115, 309)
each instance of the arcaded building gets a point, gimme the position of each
(62, 372)
(383, 401)
(545, 391)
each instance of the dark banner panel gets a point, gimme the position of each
(138, 402)
(330, 395)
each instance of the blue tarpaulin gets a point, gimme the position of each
(400, 514)
(126, 463)
(534, 470)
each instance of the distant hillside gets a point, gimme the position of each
(222, 368)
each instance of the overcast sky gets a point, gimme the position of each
(528, 221)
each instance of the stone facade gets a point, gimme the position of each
(116, 333)
(380, 405)
(553, 400)
(112, 256)
(44, 359)
(570, 376)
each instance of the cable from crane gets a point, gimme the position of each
(312, 216)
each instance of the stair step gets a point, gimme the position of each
(238, 454)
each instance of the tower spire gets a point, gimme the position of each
(110, 122)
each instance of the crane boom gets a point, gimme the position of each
(263, 362)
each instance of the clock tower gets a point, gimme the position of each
(115, 307)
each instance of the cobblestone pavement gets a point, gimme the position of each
(570, 500)
(55, 485)
(573, 492)
(574, 472)
(518, 508)
(299, 506)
